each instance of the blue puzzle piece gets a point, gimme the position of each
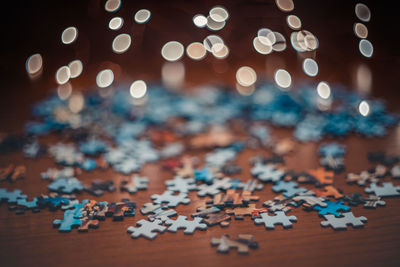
(289, 188)
(11, 197)
(332, 208)
(93, 146)
(68, 222)
(53, 203)
(66, 185)
(332, 150)
(204, 174)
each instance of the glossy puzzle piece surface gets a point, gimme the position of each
(332, 208)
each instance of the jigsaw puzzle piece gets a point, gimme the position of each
(341, 223)
(279, 218)
(146, 229)
(183, 222)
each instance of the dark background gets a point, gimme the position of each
(30, 27)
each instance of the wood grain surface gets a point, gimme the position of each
(30, 239)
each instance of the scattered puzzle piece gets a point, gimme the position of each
(279, 218)
(342, 222)
(147, 229)
(134, 183)
(386, 190)
(240, 212)
(171, 199)
(189, 226)
(11, 197)
(328, 191)
(242, 243)
(66, 186)
(332, 208)
(68, 222)
(181, 185)
(214, 219)
(289, 188)
(267, 172)
(323, 176)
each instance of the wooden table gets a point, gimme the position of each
(30, 239)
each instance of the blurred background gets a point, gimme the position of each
(36, 27)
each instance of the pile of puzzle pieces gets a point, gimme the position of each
(115, 134)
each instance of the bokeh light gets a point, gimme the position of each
(75, 68)
(366, 48)
(285, 5)
(261, 47)
(324, 90)
(363, 108)
(63, 74)
(362, 12)
(116, 23)
(112, 5)
(104, 78)
(220, 51)
(172, 51)
(138, 89)
(142, 16)
(212, 40)
(293, 22)
(196, 51)
(282, 78)
(214, 25)
(200, 21)
(310, 67)
(360, 30)
(246, 76)
(34, 64)
(69, 35)
(280, 42)
(219, 14)
(121, 43)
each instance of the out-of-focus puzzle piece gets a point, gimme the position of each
(395, 171)
(215, 137)
(121, 209)
(309, 201)
(386, 190)
(267, 172)
(279, 218)
(54, 174)
(134, 183)
(332, 149)
(12, 173)
(323, 176)
(362, 178)
(146, 229)
(205, 175)
(181, 185)
(87, 223)
(332, 208)
(290, 188)
(341, 223)
(68, 222)
(171, 199)
(274, 206)
(66, 185)
(328, 191)
(242, 243)
(183, 222)
(23, 205)
(240, 212)
(11, 197)
(98, 187)
(214, 188)
(203, 211)
(159, 211)
(232, 199)
(221, 218)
